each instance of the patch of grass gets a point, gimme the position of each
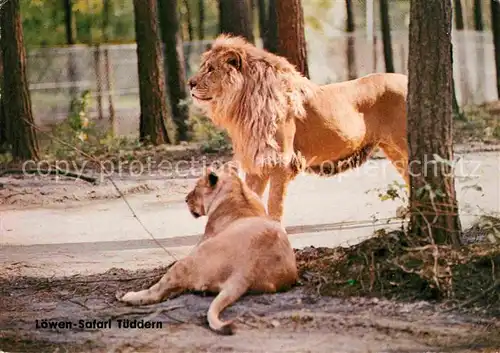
(211, 138)
(481, 124)
(387, 265)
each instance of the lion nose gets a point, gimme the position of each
(192, 83)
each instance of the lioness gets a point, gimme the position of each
(244, 251)
(281, 123)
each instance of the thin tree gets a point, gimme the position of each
(20, 132)
(350, 28)
(271, 41)
(433, 203)
(156, 126)
(189, 20)
(263, 20)
(386, 35)
(174, 65)
(292, 42)
(107, 8)
(478, 15)
(70, 40)
(3, 126)
(495, 26)
(459, 15)
(234, 17)
(201, 19)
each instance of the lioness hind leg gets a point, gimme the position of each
(231, 291)
(170, 285)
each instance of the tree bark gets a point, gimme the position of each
(386, 35)
(19, 122)
(495, 26)
(189, 20)
(156, 125)
(174, 66)
(107, 67)
(234, 17)
(433, 203)
(68, 22)
(478, 15)
(271, 42)
(263, 20)
(459, 15)
(3, 133)
(201, 19)
(70, 40)
(350, 28)
(292, 42)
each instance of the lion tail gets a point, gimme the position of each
(354, 160)
(228, 295)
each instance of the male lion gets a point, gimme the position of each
(244, 250)
(281, 123)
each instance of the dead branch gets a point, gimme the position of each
(488, 290)
(55, 171)
(150, 312)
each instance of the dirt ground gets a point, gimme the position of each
(294, 321)
(299, 320)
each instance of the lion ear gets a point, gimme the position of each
(235, 59)
(213, 179)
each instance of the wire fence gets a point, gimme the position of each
(109, 72)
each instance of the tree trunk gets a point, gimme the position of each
(19, 121)
(386, 35)
(189, 20)
(3, 132)
(433, 204)
(201, 19)
(292, 42)
(70, 40)
(234, 17)
(478, 15)
(107, 67)
(271, 42)
(156, 125)
(350, 28)
(174, 66)
(495, 25)
(459, 15)
(263, 20)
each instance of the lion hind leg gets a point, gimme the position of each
(170, 285)
(398, 155)
(231, 291)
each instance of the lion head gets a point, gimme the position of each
(249, 92)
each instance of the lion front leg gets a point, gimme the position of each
(257, 183)
(171, 284)
(280, 178)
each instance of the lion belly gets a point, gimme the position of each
(324, 136)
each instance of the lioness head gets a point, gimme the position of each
(208, 188)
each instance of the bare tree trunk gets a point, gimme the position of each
(350, 28)
(433, 203)
(189, 20)
(107, 67)
(201, 19)
(234, 17)
(495, 26)
(98, 79)
(271, 43)
(459, 15)
(19, 120)
(292, 42)
(478, 15)
(263, 21)
(70, 40)
(386, 36)
(156, 126)
(174, 66)
(3, 132)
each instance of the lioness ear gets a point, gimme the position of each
(212, 179)
(235, 59)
